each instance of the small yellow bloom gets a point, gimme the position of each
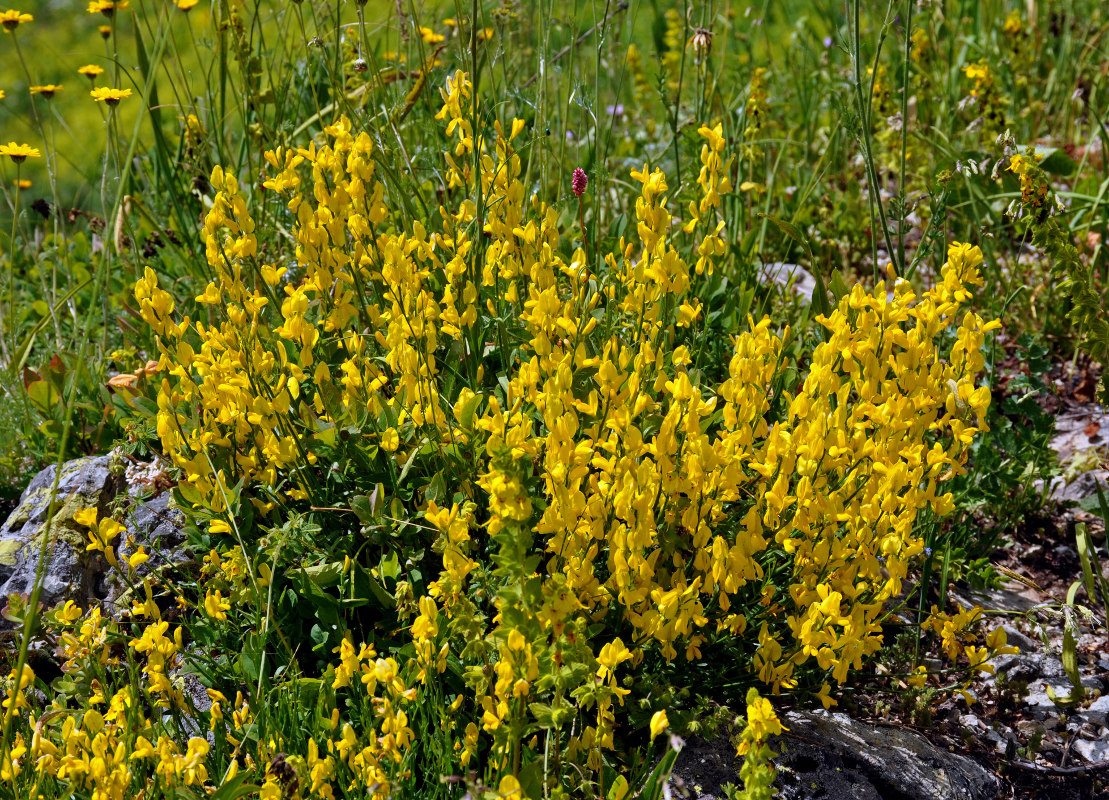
(430, 36)
(18, 152)
(12, 19)
(138, 557)
(21, 183)
(91, 71)
(659, 723)
(48, 90)
(109, 96)
(69, 613)
(215, 606)
(108, 7)
(105, 31)
(86, 517)
(185, 5)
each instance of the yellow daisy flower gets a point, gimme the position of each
(18, 152)
(11, 19)
(105, 31)
(185, 5)
(108, 7)
(109, 96)
(91, 71)
(21, 183)
(48, 90)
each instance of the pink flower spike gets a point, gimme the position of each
(579, 182)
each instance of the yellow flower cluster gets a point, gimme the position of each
(989, 102)
(610, 479)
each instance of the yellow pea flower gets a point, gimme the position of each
(659, 723)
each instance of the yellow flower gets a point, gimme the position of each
(430, 36)
(21, 183)
(101, 536)
(659, 723)
(509, 788)
(185, 5)
(86, 517)
(109, 96)
(215, 605)
(48, 90)
(91, 71)
(105, 31)
(138, 557)
(11, 19)
(612, 654)
(761, 718)
(825, 697)
(69, 613)
(18, 152)
(107, 7)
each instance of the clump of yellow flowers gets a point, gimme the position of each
(589, 494)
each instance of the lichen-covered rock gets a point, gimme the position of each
(70, 571)
(848, 758)
(831, 756)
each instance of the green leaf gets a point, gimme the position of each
(321, 575)
(363, 507)
(657, 780)
(788, 228)
(466, 413)
(436, 490)
(1085, 550)
(234, 789)
(43, 395)
(366, 585)
(19, 357)
(1070, 656)
(531, 779)
(1055, 161)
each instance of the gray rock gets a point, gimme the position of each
(1083, 485)
(840, 757)
(1092, 751)
(792, 276)
(69, 569)
(831, 756)
(1017, 639)
(1034, 667)
(1041, 705)
(1098, 711)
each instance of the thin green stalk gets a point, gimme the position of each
(904, 133)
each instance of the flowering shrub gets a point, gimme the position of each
(569, 491)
